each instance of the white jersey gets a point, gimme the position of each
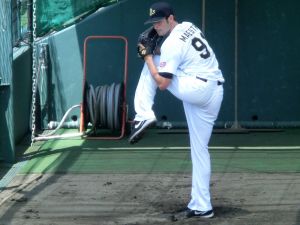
(185, 52)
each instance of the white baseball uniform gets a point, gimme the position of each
(197, 82)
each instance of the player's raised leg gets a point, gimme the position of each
(143, 102)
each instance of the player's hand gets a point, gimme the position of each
(147, 42)
(143, 51)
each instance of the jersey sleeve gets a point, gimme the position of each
(170, 56)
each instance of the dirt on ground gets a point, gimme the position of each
(148, 199)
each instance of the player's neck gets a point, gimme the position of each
(173, 25)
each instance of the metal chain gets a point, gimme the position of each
(34, 80)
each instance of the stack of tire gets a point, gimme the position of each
(103, 106)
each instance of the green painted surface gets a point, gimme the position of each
(256, 161)
(7, 148)
(162, 153)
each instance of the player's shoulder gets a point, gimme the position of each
(180, 30)
(185, 29)
(180, 33)
(183, 26)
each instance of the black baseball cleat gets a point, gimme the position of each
(195, 213)
(138, 128)
(189, 213)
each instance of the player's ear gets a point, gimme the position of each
(171, 18)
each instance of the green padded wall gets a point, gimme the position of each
(105, 58)
(267, 65)
(269, 60)
(219, 30)
(22, 91)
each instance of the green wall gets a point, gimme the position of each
(105, 58)
(22, 92)
(267, 66)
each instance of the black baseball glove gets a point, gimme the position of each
(148, 42)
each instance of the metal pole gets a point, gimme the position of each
(236, 123)
(203, 17)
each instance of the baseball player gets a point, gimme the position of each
(188, 68)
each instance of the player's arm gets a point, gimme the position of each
(162, 81)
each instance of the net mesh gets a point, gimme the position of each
(57, 14)
(5, 42)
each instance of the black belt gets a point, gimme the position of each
(205, 80)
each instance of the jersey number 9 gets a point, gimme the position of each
(198, 44)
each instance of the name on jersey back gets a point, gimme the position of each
(189, 33)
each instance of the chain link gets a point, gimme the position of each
(34, 72)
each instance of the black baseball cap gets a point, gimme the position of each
(158, 11)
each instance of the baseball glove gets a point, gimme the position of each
(148, 41)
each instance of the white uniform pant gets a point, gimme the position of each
(201, 101)
(144, 96)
